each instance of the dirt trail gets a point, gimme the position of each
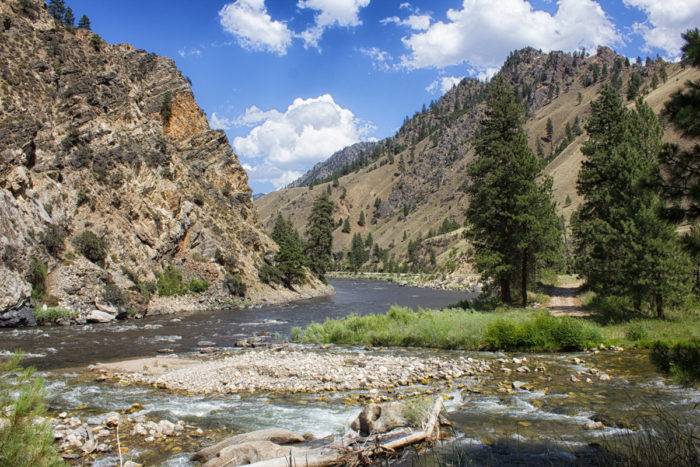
(564, 300)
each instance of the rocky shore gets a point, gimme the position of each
(288, 369)
(452, 281)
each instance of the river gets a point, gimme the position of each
(497, 425)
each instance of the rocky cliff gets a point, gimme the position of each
(110, 174)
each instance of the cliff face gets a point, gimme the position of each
(109, 139)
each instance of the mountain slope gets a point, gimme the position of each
(416, 180)
(108, 139)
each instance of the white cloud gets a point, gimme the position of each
(443, 84)
(666, 20)
(330, 13)
(189, 52)
(381, 59)
(483, 32)
(415, 22)
(310, 130)
(219, 122)
(405, 5)
(254, 28)
(253, 115)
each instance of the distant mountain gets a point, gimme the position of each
(408, 185)
(335, 164)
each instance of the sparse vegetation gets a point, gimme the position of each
(166, 107)
(234, 284)
(38, 272)
(52, 314)
(91, 246)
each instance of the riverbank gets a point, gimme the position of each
(453, 281)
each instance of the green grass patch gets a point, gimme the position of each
(455, 329)
(170, 283)
(680, 359)
(52, 314)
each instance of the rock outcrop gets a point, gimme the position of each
(109, 173)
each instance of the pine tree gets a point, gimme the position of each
(346, 225)
(682, 166)
(69, 18)
(358, 255)
(319, 236)
(579, 98)
(57, 9)
(634, 85)
(512, 223)
(290, 259)
(550, 130)
(361, 220)
(623, 245)
(84, 23)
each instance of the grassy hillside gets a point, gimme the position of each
(421, 184)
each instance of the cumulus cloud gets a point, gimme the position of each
(483, 32)
(330, 13)
(415, 22)
(443, 84)
(219, 122)
(666, 20)
(254, 28)
(286, 143)
(190, 52)
(254, 115)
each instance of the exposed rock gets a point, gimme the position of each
(97, 316)
(273, 435)
(22, 316)
(380, 418)
(250, 452)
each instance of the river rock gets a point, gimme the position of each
(274, 435)
(97, 316)
(380, 418)
(21, 316)
(250, 452)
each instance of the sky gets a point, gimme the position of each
(293, 81)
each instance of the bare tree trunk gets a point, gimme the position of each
(660, 306)
(505, 292)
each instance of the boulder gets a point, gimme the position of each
(22, 316)
(250, 452)
(380, 418)
(97, 316)
(274, 435)
(14, 296)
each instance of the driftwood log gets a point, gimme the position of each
(349, 451)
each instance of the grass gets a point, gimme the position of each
(455, 329)
(52, 314)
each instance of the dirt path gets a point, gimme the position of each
(563, 299)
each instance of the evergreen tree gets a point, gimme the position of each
(69, 18)
(289, 260)
(512, 223)
(57, 9)
(319, 236)
(84, 23)
(361, 220)
(346, 225)
(550, 130)
(634, 85)
(358, 255)
(623, 245)
(579, 98)
(369, 241)
(682, 166)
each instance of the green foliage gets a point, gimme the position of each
(57, 9)
(637, 331)
(634, 85)
(358, 254)
(113, 295)
(84, 23)
(513, 225)
(361, 219)
(346, 225)
(169, 282)
(38, 271)
(623, 245)
(319, 236)
(69, 18)
(235, 285)
(290, 259)
(52, 314)
(166, 107)
(96, 42)
(91, 246)
(53, 240)
(198, 285)
(681, 359)
(26, 439)
(455, 329)
(269, 274)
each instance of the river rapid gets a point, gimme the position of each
(544, 422)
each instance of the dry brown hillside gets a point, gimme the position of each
(418, 178)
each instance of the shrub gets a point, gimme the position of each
(26, 438)
(91, 246)
(636, 332)
(96, 42)
(234, 284)
(113, 295)
(270, 274)
(198, 285)
(166, 106)
(169, 282)
(680, 359)
(52, 314)
(543, 332)
(38, 271)
(53, 240)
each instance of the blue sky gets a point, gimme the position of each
(292, 81)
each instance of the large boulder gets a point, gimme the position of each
(380, 418)
(21, 316)
(252, 451)
(97, 316)
(274, 435)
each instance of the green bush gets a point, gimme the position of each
(543, 332)
(636, 332)
(91, 246)
(680, 359)
(234, 284)
(38, 272)
(113, 295)
(198, 285)
(270, 274)
(169, 282)
(166, 106)
(53, 240)
(26, 439)
(52, 314)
